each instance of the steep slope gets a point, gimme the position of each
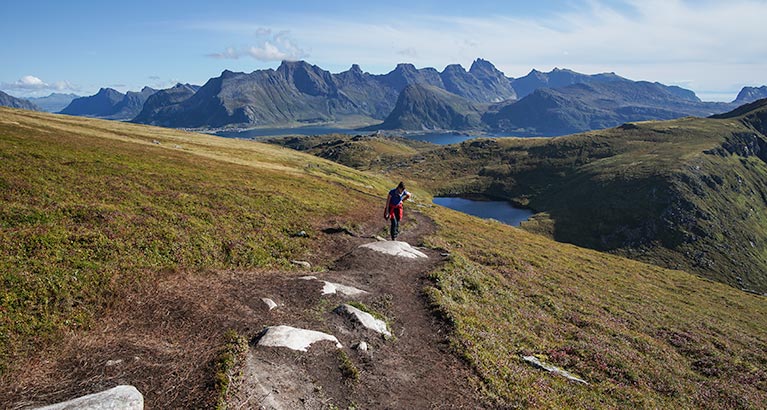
(750, 94)
(483, 83)
(423, 107)
(101, 104)
(370, 95)
(131, 104)
(558, 78)
(13, 102)
(164, 98)
(54, 102)
(582, 107)
(294, 93)
(405, 74)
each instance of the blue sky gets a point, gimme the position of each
(711, 47)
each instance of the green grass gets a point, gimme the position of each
(642, 336)
(89, 207)
(684, 194)
(227, 363)
(348, 370)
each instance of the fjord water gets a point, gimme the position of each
(259, 133)
(499, 210)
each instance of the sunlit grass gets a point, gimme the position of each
(642, 336)
(90, 206)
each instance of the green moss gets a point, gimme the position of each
(348, 370)
(227, 364)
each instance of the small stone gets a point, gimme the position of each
(379, 239)
(364, 318)
(156, 142)
(303, 264)
(269, 303)
(113, 362)
(552, 369)
(301, 234)
(362, 346)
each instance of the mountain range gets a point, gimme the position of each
(13, 102)
(54, 102)
(110, 104)
(480, 99)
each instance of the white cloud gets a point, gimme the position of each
(30, 85)
(269, 47)
(29, 82)
(718, 42)
(709, 46)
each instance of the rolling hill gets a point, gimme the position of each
(116, 220)
(687, 194)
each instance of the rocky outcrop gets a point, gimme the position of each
(120, 397)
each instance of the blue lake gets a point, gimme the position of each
(434, 138)
(499, 210)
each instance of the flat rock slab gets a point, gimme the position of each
(120, 397)
(330, 288)
(294, 338)
(395, 248)
(552, 369)
(364, 318)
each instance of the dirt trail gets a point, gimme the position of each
(164, 339)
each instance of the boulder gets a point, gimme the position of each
(395, 248)
(120, 397)
(293, 338)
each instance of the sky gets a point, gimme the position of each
(711, 47)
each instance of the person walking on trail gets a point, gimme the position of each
(393, 210)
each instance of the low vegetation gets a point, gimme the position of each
(227, 365)
(640, 335)
(348, 370)
(685, 194)
(89, 207)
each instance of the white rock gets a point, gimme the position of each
(552, 369)
(330, 288)
(395, 248)
(303, 264)
(362, 346)
(364, 318)
(270, 303)
(294, 338)
(120, 397)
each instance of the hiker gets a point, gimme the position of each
(393, 210)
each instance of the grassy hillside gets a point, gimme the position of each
(362, 152)
(687, 194)
(640, 335)
(89, 206)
